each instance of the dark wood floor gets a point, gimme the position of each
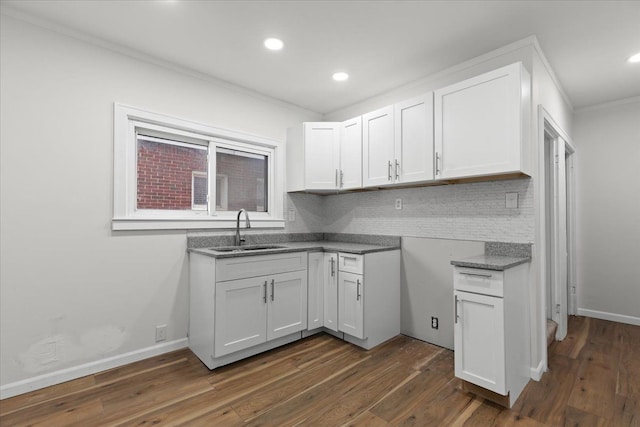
(594, 380)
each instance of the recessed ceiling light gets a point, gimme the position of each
(340, 76)
(273, 44)
(634, 58)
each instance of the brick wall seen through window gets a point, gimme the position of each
(165, 174)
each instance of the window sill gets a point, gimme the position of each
(118, 224)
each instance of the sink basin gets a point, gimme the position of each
(245, 248)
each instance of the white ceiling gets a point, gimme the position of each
(382, 44)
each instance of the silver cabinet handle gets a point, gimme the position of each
(333, 266)
(264, 298)
(397, 170)
(336, 177)
(358, 290)
(273, 291)
(341, 178)
(456, 309)
(437, 164)
(475, 274)
(389, 170)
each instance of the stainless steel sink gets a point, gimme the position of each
(245, 248)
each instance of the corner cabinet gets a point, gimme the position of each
(325, 156)
(482, 125)
(245, 305)
(355, 296)
(398, 143)
(491, 331)
(323, 291)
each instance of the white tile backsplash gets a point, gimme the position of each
(474, 211)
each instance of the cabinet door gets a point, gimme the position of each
(377, 147)
(240, 314)
(478, 125)
(287, 301)
(351, 304)
(479, 345)
(413, 161)
(321, 155)
(316, 283)
(331, 291)
(351, 154)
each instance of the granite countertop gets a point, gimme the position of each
(309, 246)
(491, 262)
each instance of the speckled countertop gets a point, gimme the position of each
(490, 262)
(354, 244)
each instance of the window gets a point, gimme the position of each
(175, 174)
(199, 191)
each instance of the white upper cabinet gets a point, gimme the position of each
(398, 143)
(351, 154)
(321, 155)
(413, 160)
(377, 147)
(325, 156)
(482, 125)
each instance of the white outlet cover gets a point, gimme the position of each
(511, 200)
(292, 215)
(398, 203)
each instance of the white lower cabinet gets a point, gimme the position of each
(245, 305)
(323, 291)
(491, 331)
(479, 340)
(360, 295)
(351, 304)
(240, 315)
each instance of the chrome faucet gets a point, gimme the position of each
(247, 224)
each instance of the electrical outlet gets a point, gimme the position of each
(434, 322)
(511, 200)
(161, 333)
(292, 215)
(398, 204)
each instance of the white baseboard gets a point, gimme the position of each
(536, 373)
(74, 372)
(621, 318)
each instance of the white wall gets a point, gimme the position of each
(73, 291)
(607, 143)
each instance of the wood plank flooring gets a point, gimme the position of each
(593, 380)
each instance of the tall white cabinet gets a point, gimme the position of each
(482, 125)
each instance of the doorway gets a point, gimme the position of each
(559, 223)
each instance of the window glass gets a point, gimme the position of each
(171, 174)
(244, 185)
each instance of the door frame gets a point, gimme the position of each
(548, 124)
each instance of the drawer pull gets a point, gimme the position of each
(456, 309)
(476, 274)
(265, 292)
(358, 290)
(333, 267)
(273, 291)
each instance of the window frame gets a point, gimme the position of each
(125, 214)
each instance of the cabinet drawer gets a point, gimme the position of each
(259, 265)
(479, 281)
(351, 263)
